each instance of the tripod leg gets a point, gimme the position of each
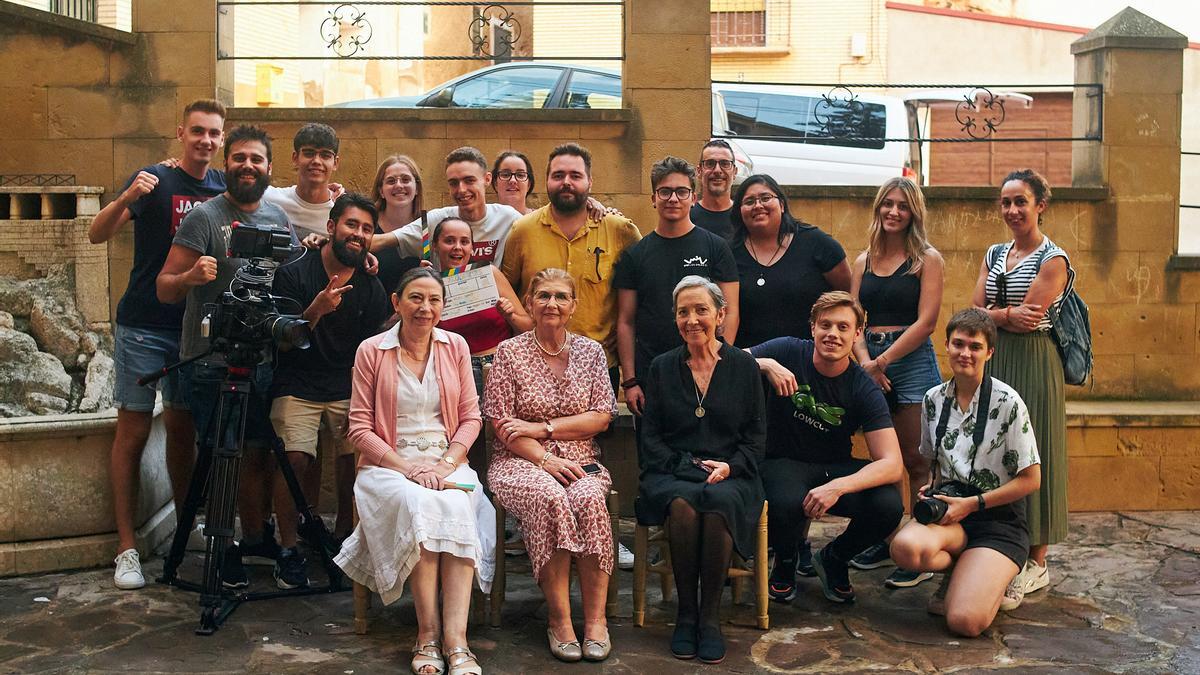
(185, 519)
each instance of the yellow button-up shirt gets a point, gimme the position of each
(536, 242)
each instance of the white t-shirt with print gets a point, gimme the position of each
(1008, 443)
(304, 217)
(488, 233)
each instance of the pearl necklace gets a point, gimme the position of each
(549, 353)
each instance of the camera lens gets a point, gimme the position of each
(927, 511)
(288, 331)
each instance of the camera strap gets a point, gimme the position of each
(981, 420)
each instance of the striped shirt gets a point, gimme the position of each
(1017, 280)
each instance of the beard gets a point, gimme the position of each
(568, 201)
(348, 257)
(246, 194)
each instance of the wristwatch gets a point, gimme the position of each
(451, 461)
(549, 429)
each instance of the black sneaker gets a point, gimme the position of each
(835, 576)
(289, 569)
(233, 573)
(902, 578)
(804, 565)
(873, 558)
(265, 552)
(782, 586)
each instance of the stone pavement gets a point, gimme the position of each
(1125, 598)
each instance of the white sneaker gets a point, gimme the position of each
(1036, 577)
(129, 570)
(1014, 595)
(624, 557)
(196, 539)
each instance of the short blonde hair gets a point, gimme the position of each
(547, 275)
(833, 300)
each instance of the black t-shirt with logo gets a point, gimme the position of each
(716, 222)
(156, 216)
(817, 424)
(652, 267)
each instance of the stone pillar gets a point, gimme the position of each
(666, 80)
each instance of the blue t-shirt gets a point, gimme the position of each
(156, 216)
(817, 423)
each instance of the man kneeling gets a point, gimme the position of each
(970, 522)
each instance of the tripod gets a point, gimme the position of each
(216, 474)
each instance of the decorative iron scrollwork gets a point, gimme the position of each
(980, 113)
(507, 33)
(840, 114)
(346, 30)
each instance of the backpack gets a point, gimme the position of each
(1070, 327)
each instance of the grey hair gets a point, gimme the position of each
(697, 281)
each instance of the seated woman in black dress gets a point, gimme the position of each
(705, 433)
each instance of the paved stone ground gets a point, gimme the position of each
(1125, 598)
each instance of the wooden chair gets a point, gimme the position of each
(738, 572)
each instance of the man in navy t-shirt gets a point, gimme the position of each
(820, 400)
(147, 332)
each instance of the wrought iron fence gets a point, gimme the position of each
(84, 10)
(36, 179)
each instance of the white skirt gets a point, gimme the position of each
(396, 518)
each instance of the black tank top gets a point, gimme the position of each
(891, 300)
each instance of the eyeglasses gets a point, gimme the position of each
(544, 298)
(665, 193)
(519, 176)
(711, 164)
(309, 153)
(765, 200)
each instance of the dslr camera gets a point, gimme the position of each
(248, 318)
(929, 510)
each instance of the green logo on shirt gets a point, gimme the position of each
(805, 402)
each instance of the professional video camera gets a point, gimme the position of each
(247, 319)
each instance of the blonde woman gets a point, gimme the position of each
(397, 194)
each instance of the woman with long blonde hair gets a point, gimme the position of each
(397, 192)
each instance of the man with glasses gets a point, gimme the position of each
(716, 178)
(307, 203)
(647, 272)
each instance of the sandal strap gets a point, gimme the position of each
(431, 649)
(460, 651)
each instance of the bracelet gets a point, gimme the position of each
(982, 504)
(1007, 312)
(545, 458)
(631, 383)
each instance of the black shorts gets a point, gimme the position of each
(1009, 536)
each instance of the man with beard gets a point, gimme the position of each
(716, 178)
(199, 269)
(343, 305)
(563, 235)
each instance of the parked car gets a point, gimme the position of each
(515, 85)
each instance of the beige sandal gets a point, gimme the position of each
(460, 666)
(428, 655)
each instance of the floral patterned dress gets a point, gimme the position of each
(552, 516)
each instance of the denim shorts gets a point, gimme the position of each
(143, 351)
(910, 376)
(203, 380)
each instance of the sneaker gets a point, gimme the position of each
(835, 576)
(265, 552)
(937, 601)
(804, 565)
(1035, 576)
(1014, 594)
(902, 578)
(129, 570)
(873, 558)
(233, 573)
(624, 557)
(289, 569)
(782, 585)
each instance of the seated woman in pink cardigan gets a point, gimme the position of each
(414, 412)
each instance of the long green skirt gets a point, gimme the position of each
(1029, 363)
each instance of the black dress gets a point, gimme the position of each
(733, 430)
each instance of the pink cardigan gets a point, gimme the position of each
(372, 426)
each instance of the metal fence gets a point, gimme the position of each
(84, 10)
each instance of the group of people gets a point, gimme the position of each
(748, 347)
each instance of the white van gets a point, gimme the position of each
(792, 133)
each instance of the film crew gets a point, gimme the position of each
(199, 269)
(970, 519)
(820, 398)
(717, 169)
(704, 439)
(310, 390)
(423, 517)
(1019, 281)
(548, 397)
(899, 280)
(147, 332)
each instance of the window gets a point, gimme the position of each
(805, 119)
(738, 23)
(593, 90)
(508, 88)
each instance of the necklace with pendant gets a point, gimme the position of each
(761, 281)
(699, 400)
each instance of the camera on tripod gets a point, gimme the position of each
(248, 319)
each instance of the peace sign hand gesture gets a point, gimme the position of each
(327, 300)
